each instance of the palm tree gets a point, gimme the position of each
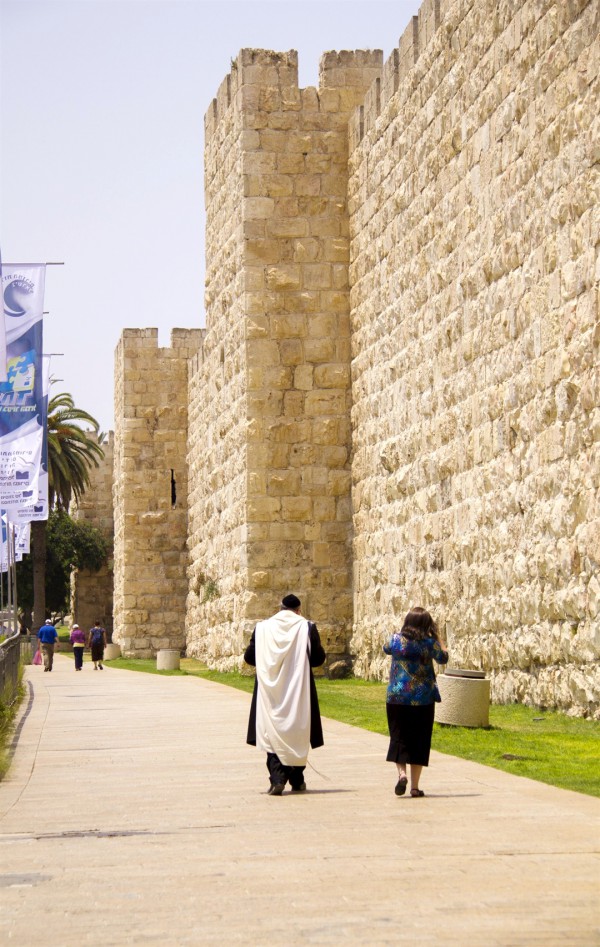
(71, 453)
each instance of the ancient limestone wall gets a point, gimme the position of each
(270, 396)
(150, 489)
(474, 225)
(92, 592)
(399, 372)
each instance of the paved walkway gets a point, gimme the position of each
(134, 813)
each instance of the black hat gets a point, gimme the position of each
(290, 601)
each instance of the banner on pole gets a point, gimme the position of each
(3, 375)
(30, 510)
(22, 538)
(4, 554)
(22, 420)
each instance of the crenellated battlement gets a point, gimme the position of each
(184, 342)
(257, 69)
(417, 38)
(251, 67)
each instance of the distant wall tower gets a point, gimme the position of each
(150, 489)
(269, 446)
(92, 592)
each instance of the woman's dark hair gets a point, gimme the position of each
(419, 624)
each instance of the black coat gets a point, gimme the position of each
(316, 657)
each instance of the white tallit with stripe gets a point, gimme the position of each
(283, 693)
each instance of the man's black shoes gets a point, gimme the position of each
(276, 789)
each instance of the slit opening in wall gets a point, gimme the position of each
(173, 490)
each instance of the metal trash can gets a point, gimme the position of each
(465, 698)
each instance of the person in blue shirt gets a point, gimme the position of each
(48, 642)
(412, 694)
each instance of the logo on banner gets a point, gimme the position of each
(15, 296)
(21, 371)
(17, 392)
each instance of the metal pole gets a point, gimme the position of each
(16, 620)
(1, 571)
(8, 576)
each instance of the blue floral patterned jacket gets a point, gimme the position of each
(412, 678)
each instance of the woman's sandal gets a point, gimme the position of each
(417, 793)
(401, 786)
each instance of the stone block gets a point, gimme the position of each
(316, 276)
(319, 350)
(291, 352)
(283, 483)
(321, 402)
(262, 353)
(303, 377)
(288, 326)
(259, 208)
(287, 227)
(284, 277)
(296, 508)
(332, 376)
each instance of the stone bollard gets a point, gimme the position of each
(112, 651)
(465, 698)
(167, 660)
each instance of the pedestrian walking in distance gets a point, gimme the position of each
(77, 639)
(412, 695)
(48, 642)
(284, 715)
(97, 644)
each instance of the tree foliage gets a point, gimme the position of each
(70, 544)
(71, 450)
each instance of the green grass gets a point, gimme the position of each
(9, 704)
(64, 633)
(551, 747)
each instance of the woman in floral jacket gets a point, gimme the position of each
(411, 696)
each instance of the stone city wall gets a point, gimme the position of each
(92, 592)
(399, 373)
(474, 226)
(150, 489)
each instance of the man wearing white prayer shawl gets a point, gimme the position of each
(284, 715)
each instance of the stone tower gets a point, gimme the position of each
(92, 592)
(269, 444)
(150, 489)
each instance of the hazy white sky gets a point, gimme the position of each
(102, 105)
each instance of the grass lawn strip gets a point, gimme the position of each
(543, 745)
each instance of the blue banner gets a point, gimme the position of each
(22, 418)
(32, 508)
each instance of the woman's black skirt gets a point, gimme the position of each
(98, 651)
(410, 733)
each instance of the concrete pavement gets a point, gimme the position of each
(135, 813)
